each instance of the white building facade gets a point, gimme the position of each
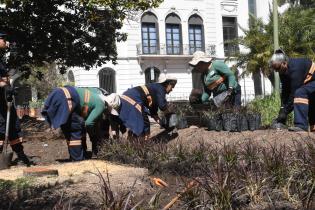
(162, 41)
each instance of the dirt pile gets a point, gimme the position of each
(77, 179)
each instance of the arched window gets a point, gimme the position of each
(150, 35)
(71, 77)
(196, 34)
(151, 75)
(107, 79)
(173, 34)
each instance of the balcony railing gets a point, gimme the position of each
(231, 50)
(163, 49)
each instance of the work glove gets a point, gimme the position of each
(169, 121)
(122, 128)
(282, 116)
(230, 91)
(9, 93)
(171, 108)
(164, 122)
(156, 118)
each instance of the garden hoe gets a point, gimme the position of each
(5, 156)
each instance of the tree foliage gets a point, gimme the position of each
(296, 37)
(44, 79)
(299, 3)
(68, 32)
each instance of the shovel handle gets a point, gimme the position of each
(7, 127)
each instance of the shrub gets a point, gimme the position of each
(36, 104)
(268, 107)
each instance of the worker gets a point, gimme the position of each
(298, 90)
(75, 110)
(6, 94)
(140, 102)
(216, 78)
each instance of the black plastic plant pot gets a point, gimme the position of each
(242, 123)
(182, 123)
(215, 122)
(193, 120)
(254, 121)
(204, 119)
(229, 121)
(258, 121)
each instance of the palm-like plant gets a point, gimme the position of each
(296, 36)
(259, 42)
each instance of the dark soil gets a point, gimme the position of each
(44, 146)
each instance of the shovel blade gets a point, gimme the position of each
(5, 160)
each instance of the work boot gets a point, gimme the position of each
(277, 125)
(296, 129)
(22, 159)
(94, 150)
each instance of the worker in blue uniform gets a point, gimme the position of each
(298, 90)
(76, 110)
(138, 103)
(6, 94)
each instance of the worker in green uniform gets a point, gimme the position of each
(216, 78)
(75, 110)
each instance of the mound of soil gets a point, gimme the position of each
(194, 136)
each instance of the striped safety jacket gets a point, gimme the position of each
(300, 71)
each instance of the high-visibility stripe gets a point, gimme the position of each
(147, 93)
(301, 101)
(73, 143)
(16, 141)
(214, 84)
(132, 102)
(310, 73)
(85, 108)
(68, 96)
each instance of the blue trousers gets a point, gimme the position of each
(74, 133)
(304, 106)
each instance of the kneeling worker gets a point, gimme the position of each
(217, 78)
(298, 90)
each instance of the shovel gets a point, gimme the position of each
(5, 156)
